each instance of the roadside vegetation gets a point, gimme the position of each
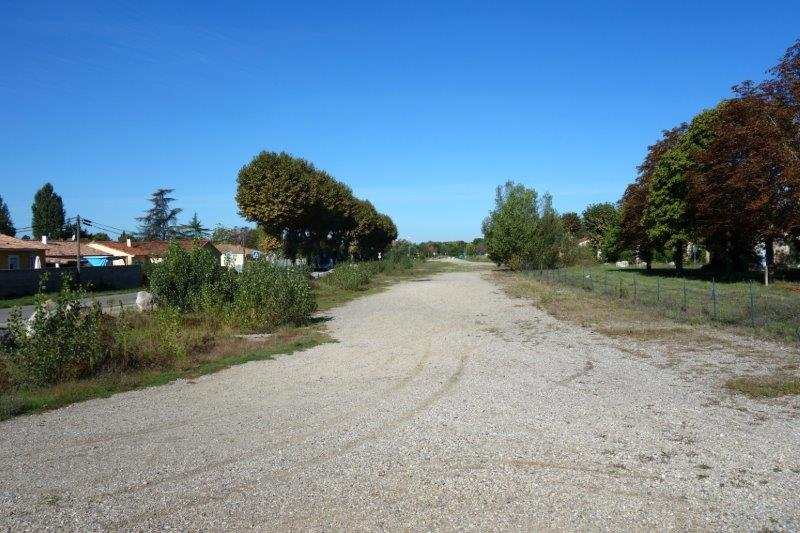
(203, 320)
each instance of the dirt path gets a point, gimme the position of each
(445, 404)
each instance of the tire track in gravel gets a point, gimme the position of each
(321, 426)
(140, 434)
(442, 391)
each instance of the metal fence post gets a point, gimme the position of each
(685, 306)
(658, 289)
(714, 298)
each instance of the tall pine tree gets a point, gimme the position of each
(160, 222)
(48, 213)
(195, 229)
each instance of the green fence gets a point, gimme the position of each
(772, 311)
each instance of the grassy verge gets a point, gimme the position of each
(205, 347)
(770, 312)
(620, 319)
(30, 300)
(226, 352)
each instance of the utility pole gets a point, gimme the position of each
(78, 241)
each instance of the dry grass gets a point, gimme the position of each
(224, 353)
(641, 335)
(765, 386)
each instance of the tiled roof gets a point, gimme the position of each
(70, 249)
(151, 248)
(226, 248)
(11, 243)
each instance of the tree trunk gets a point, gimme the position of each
(678, 257)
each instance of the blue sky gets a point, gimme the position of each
(422, 108)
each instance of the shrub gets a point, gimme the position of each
(180, 279)
(63, 340)
(351, 276)
(268, 295)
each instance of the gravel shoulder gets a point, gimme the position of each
(444, 404)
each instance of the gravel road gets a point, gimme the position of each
(445, 404)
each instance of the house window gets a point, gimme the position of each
(13, 262)
(32, 261)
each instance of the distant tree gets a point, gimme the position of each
(572, 223)
(373, 232)
(522, 230)
(6, 224)
(160, 222)
(48, 213)
(308, 211)
(194, 229)
(598, 221)
(100, 236)
(124, 236)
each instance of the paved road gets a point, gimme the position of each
(445, 404)
(107, 301)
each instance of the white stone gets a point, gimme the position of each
(144, 301)
(622, 264)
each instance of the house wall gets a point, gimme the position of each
(26, 282)
(24, 258)
(231, 260)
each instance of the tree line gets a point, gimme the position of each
(307, 212)
(728, 180)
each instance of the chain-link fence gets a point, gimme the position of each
(773, 311)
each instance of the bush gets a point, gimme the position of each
(63, 340)
(184, 278)
(352, 276)
(269, 295)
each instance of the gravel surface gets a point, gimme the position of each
(445, 404)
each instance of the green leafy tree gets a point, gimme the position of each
(572, 223)
(100, 236)
(6, 224)
(48, 213)
(509, 228)
(308, 211)
(524, 231)
(160, 222)
(669, 217)
(194, 229)
(598, 221)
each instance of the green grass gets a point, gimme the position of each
(30, 300)
(774, 310)
(765, 386)
(32, 400)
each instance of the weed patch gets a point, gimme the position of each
(765, 386)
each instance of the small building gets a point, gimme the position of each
(234, 255)
(65, 254)
(137, 252)
(18, 254)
